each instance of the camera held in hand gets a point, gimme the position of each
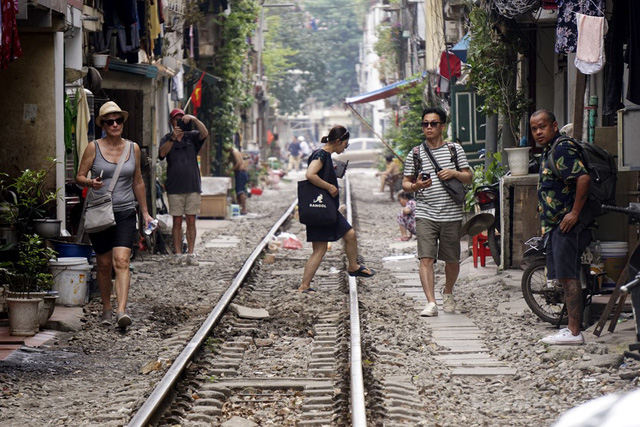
(184, 126)
(425, 175)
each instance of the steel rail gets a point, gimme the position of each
(149, 409)
(358, 414)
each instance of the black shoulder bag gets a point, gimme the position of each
(453, 186)
(315, 205)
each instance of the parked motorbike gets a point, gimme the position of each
(545, 297)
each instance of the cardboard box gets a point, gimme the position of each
(214, 206)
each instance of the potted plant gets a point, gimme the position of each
(26, 200)
(28, 279)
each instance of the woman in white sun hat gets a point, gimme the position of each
(113, 246)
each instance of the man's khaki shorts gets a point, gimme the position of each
(438, 240)
(184, 204)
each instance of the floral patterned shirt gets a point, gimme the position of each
(557, 195)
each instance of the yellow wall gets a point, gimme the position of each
(28, 80)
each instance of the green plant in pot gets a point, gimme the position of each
(26, 199)
(30, 273)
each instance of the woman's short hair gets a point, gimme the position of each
(337, 133)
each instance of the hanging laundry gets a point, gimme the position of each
(177, 86)
(450, 65)
(10, 49)
(590, 56)
(566, 28)
(83, 117)
(121, 19)
(616, 39)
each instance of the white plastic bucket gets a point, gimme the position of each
(70, 276)
(614, 257)
(518, 158)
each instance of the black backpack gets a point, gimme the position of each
(603, 171)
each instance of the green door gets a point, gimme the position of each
(468, 124)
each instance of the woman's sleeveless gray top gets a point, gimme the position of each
(122, 196)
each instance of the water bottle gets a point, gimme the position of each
(151, 227)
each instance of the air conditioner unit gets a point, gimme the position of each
(452, 31)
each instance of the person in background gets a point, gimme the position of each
(242, 178)
(336, 142)
(438, 217)
(560, 201)
(393, 168)
(407, 216)
(305, 148)
(180, 147)
(295, 154)
(113, 246)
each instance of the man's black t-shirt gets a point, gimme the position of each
(183, 174)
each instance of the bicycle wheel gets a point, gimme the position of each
(546, 302)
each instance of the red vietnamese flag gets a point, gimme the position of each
(196, 95)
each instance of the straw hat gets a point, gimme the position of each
(110, 108)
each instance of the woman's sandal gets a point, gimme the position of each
(308, 291)
(360, 272)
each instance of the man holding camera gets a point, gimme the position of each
(180, 147)
(438, 216)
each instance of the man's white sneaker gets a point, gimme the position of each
(563, 337)
(449, 304)
(430, 310)
(176, 259)
(192, 260)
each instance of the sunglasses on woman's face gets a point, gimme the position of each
(110, 122)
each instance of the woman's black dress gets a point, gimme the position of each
(336, 231)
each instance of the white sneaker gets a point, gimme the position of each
(176, 259)
(448, 305)
(192, 260)
(563, 337)
(430, 310)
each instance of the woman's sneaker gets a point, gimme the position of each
(563, 337)
(176, 259)
(192, 260)
(430, 310)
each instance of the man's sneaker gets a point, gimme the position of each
(176, 259)
(448, 305)
(123, 320)
(192, 260)
(430, 310)
(563, 337)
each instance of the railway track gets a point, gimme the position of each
(233, 364)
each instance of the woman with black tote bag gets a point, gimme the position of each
(336, 142)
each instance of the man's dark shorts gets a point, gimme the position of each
(564, 251)
(123, 234)
(242, 177)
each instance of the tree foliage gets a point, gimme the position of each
(311, 53)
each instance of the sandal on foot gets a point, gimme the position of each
(106, 318)
(123, 320)
(309, 291)
(361, 272)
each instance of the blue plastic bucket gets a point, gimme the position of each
(71, 250)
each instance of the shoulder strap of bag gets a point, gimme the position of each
(436, 166)
(454, 155)
(551, 161)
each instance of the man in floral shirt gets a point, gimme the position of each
(560, 201)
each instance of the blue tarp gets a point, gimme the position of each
(460, 49)
(384, 92)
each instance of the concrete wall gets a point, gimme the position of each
(28, 124)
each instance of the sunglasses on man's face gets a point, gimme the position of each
(430, 124)
(110, 122)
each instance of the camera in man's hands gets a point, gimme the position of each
(426, 176)
(184, 126)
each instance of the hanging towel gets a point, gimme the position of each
(83, 118)
(590, 57)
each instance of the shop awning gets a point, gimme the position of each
(384, 92)
(141, 69)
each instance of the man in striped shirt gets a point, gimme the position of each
(438, 217)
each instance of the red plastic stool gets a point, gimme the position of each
(480, 249)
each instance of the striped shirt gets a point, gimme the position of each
(434, 203)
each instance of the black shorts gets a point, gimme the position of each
(564, 251)
(123, 234)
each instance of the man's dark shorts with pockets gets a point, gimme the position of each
(564, 251)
